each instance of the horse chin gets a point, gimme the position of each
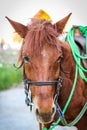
(42, 121)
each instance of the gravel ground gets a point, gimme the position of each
(14, 114)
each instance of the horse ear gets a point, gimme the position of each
(59, 26)
(19, 28)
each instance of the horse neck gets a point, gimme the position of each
(69, 66)
(68, 73)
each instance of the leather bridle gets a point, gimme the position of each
(27, 83)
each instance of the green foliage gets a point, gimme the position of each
(8, 76)
(8, 73)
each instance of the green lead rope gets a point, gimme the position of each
(80, 70)
(75, 50)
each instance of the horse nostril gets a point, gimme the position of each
(53, 110)
(37, 112)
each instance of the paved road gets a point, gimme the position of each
(14, 114)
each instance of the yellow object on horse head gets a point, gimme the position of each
(42, 14)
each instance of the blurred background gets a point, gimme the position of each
(10, 43)
(22, 11)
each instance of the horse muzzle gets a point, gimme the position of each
(45, 117)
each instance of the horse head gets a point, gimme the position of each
(41, 54)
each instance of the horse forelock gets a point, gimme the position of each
(40, 32)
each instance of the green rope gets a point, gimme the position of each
(75, 50)
(77, 118)
(73, 122)
(80, 70)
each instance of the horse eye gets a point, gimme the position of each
(26, 58)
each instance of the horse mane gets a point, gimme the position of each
(41, 31)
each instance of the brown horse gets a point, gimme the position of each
(45, 59)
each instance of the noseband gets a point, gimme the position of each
(27, 83)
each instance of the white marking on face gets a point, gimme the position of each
(44, 53)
